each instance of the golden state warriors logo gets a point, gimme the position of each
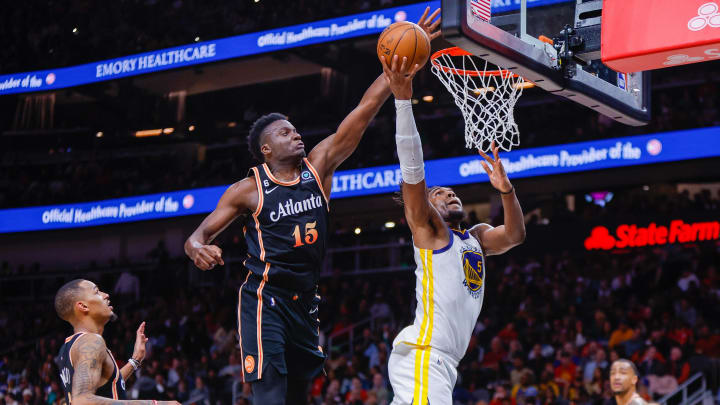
(473, 267)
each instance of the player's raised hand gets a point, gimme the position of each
(140, 341)
(207, 257)
(428, 25)
(398, 77)
(497, 175)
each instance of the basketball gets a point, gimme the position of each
(404, 39)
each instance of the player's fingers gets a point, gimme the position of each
(434, 25)
(483, 154)
(495, 150)
(393, 65)
(421, 21)
(486, 167)
(414, 71)
(141, 328)
(208, 259)
(386, 69)
(201, 264)
(404, 62)
(435, 34)
(433, 15)
(217, 254)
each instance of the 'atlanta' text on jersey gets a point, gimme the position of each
(287, 232)
(291, 207)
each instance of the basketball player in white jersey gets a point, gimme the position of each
(450, 262)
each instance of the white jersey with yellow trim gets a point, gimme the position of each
(449, 289)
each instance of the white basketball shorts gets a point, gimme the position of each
(421, 376)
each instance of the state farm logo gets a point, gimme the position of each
(681, 58)
(636, 236)
(707, 15)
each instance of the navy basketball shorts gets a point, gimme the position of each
(279, 327)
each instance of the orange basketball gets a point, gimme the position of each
(404, 39)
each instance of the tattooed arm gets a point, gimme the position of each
(88, 355)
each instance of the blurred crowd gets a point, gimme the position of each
(61, 33)
(549, 329)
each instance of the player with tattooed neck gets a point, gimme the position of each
(88, 370)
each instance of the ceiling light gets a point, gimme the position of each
(148, 132)
(197, 39)
(389, 224)
(484, 90)
(99, 134)
(191, 128)
(357, 231)
(428, 98)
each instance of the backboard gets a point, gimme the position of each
(569, 67)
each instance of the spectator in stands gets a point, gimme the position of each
(621, 334)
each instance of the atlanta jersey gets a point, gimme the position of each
(114, 388)
(287, 232)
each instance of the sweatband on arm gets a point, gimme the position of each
(409, 148)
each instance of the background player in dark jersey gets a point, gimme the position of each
(88, 370)
(284, 202)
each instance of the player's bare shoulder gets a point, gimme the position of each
(243, 194)
(89, 345)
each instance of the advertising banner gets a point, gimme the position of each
(532, 162)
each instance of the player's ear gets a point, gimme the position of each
(634, 380)
(81, 307)
(265, 149)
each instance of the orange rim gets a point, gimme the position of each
(456, 51)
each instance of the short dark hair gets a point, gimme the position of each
(66, 297)
(256, 131)
(398, 195)
(632, 365)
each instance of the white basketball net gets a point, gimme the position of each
(486, 100)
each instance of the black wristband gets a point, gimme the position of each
(512, 188)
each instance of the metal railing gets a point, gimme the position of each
(691, 392)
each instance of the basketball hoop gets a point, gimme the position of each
(485, 97)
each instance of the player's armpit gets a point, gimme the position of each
(428, 229)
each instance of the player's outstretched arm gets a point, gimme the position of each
(428, 228)
(238, 198)
(500, 239)
(333, 150)
(88, 356)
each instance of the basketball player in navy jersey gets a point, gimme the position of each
(284, 205)
(89, 373)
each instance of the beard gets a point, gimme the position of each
(455, 215)
(620, 391)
